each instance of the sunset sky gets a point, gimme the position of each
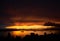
(29, 14)
(32, 11)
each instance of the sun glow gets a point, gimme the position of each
(28, 27)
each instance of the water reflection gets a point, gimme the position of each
(24, 33)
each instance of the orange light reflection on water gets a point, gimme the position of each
(24, 33)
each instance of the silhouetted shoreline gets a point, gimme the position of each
(32, 37)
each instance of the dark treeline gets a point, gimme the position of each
(32, 37)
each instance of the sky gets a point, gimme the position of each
(29, 10)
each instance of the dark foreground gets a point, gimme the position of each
(32, 37)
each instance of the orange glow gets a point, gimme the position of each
(26, 26)
(17, 33)
(24, 33)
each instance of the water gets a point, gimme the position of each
(24, 33)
